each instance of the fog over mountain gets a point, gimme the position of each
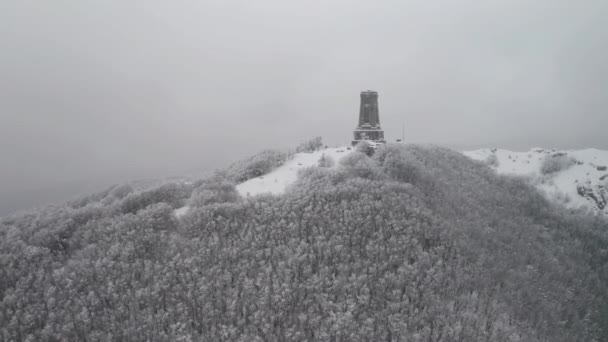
(94, 93)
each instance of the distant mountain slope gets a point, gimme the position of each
(577, 179)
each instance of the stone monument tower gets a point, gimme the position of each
(369, 119)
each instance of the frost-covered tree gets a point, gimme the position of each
(492, 160)
(556, 163)
(326, 161)
(365, 147)
(255, 166)
(311, 145)
(214, 190)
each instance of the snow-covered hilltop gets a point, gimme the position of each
(279, 179)
(361, 248)
(576, 178)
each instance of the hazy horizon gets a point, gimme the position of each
(98, 93)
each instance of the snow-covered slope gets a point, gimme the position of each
(278, 180)
(579, 180)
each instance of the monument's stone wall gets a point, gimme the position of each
(369, 119)
(368, 110)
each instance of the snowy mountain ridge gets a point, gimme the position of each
(577, 179)
(574, 178)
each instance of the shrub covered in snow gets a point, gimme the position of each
(492, 160)
(214, 190)
(401, 164)
(555, 163)
(255, 166)
(360, 165)
(108, 196)
(171, 193)
(311, 145)
(121, 191)
(326, 161)
(365, 147)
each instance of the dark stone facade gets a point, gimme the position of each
(369, 119)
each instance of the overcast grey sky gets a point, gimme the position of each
(96, 92)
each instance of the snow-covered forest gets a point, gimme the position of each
(411, 244)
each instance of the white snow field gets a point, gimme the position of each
(583, 184)
(179, 212)
(278, 180)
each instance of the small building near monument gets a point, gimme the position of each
(369, 128)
